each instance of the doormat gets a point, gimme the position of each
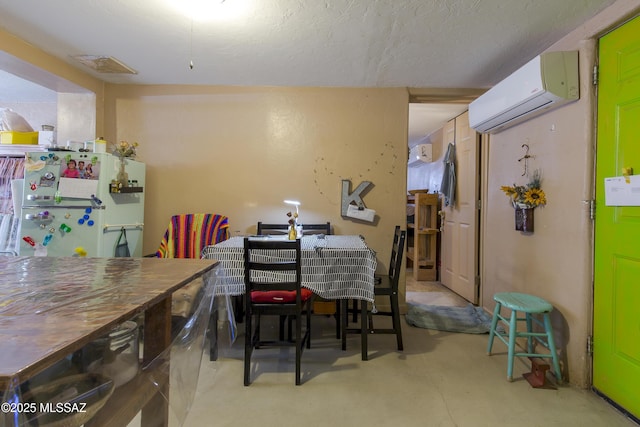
(468, 320)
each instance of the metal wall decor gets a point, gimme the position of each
(352, 204)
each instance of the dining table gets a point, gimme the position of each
(334, 267)
(51, 307)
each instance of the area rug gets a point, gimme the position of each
(469, 319)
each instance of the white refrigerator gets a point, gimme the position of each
(72, 206)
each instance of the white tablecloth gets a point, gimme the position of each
(333, 267)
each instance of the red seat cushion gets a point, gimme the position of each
(278, 297)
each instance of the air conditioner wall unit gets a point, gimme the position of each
(420, 154)
(544, 83)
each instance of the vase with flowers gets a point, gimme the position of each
(295, 228)
(524, 199)
(293, 225)
(124, 150)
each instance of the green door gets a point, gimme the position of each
(616, 327)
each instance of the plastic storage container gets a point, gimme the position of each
(100, 145)
(19, 138)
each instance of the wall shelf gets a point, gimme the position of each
(422, 247)
(121, 190)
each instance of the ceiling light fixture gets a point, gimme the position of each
(104, 64)
(210, 10)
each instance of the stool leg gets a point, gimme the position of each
(552, 347)
(529, 329)
(492, 331)
(512, 343)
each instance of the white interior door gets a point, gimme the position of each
(459, 270)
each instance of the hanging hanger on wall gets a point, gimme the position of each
(526, 158)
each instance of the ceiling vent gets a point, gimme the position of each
(104, 64)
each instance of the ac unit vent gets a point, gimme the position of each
(420, 154)
(544, 83)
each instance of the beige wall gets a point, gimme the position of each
(241, 151)
(555, 262)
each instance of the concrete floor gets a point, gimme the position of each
(440, 379)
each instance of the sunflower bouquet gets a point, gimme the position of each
(530, 195)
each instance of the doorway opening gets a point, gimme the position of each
(430, 117)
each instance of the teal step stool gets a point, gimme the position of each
(529, 305)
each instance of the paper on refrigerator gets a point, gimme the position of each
(77, 188)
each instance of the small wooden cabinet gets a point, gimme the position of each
(422, 246)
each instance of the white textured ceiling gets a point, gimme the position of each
(340, 43)
(414, 43)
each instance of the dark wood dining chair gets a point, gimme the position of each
(387, 286)
(185, 237)
(273, 276)
(264, 229)
(324, 228)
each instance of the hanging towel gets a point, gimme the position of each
(448, 186)
(188, 234)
